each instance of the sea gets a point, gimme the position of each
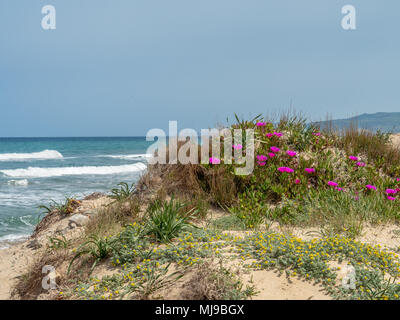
(37, 171)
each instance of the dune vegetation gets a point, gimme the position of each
(195, 231)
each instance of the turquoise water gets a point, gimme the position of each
(34, 171)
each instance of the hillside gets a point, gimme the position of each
(384, 121)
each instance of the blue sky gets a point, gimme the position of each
(122, 67)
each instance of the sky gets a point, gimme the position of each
(123, 67)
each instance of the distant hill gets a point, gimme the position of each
(384, 121)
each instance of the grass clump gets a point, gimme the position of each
(167, 220)
(96, 248)
(124, 192)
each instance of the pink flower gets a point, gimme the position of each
(275, 149)
(269, 135)
(237, 146)
(391, 191)
(339, 189)
(360, 164)
(261, 158)
(332, 183)
(260, 124)
(291, 153)
(353, 158)
(215, 160)
(261, 163)
(317, 134)
(297, 181)
(285, 169)
(271, 155)
(309, 170)
(398, 179)
(391, 198)
(370, 187)
(278, 134)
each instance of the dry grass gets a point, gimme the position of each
(29, 285)
(111, 218)
(375, 146)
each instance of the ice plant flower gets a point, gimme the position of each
(391, 198)
(353, 158)
(215, 160)
(262, 158)
(360, 164)
(333, 183)
(269, 135)
(370, 187)
(237, 146)
(261, 163)
(291, 153)
(339, 189)
(275, 149)
(278, 134)
(317, 134)
(309, 170)
(271, 154)
(260, 124)
(391, 191)
(285, 169)
(297, 181)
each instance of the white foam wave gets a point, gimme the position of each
(36, 172)
(23, 182)
(42, 155)
(130, 156)
(11, 238)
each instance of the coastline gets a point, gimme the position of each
(18, 256)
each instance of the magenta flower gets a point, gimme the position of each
(370, 187)
(291, 153)
(271, 155)
(237, 146)
(339, 189)
(215, 160)
(333, 183)
(260, 124)
(278, 134)
(317, 134)
(297, 181)
(269, 135)
(309, 170)
(285, 169)
(360, 164)
(398, 179)
(391, 191)
(261, 163)
(275, 149)
(391, 198)
(353, 158)
(262, 158)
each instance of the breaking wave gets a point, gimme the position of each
(36, 172)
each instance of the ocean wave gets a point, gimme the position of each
(42, 155)
(129, 156)
(36, 172)
(6, 241)
(23, 182)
